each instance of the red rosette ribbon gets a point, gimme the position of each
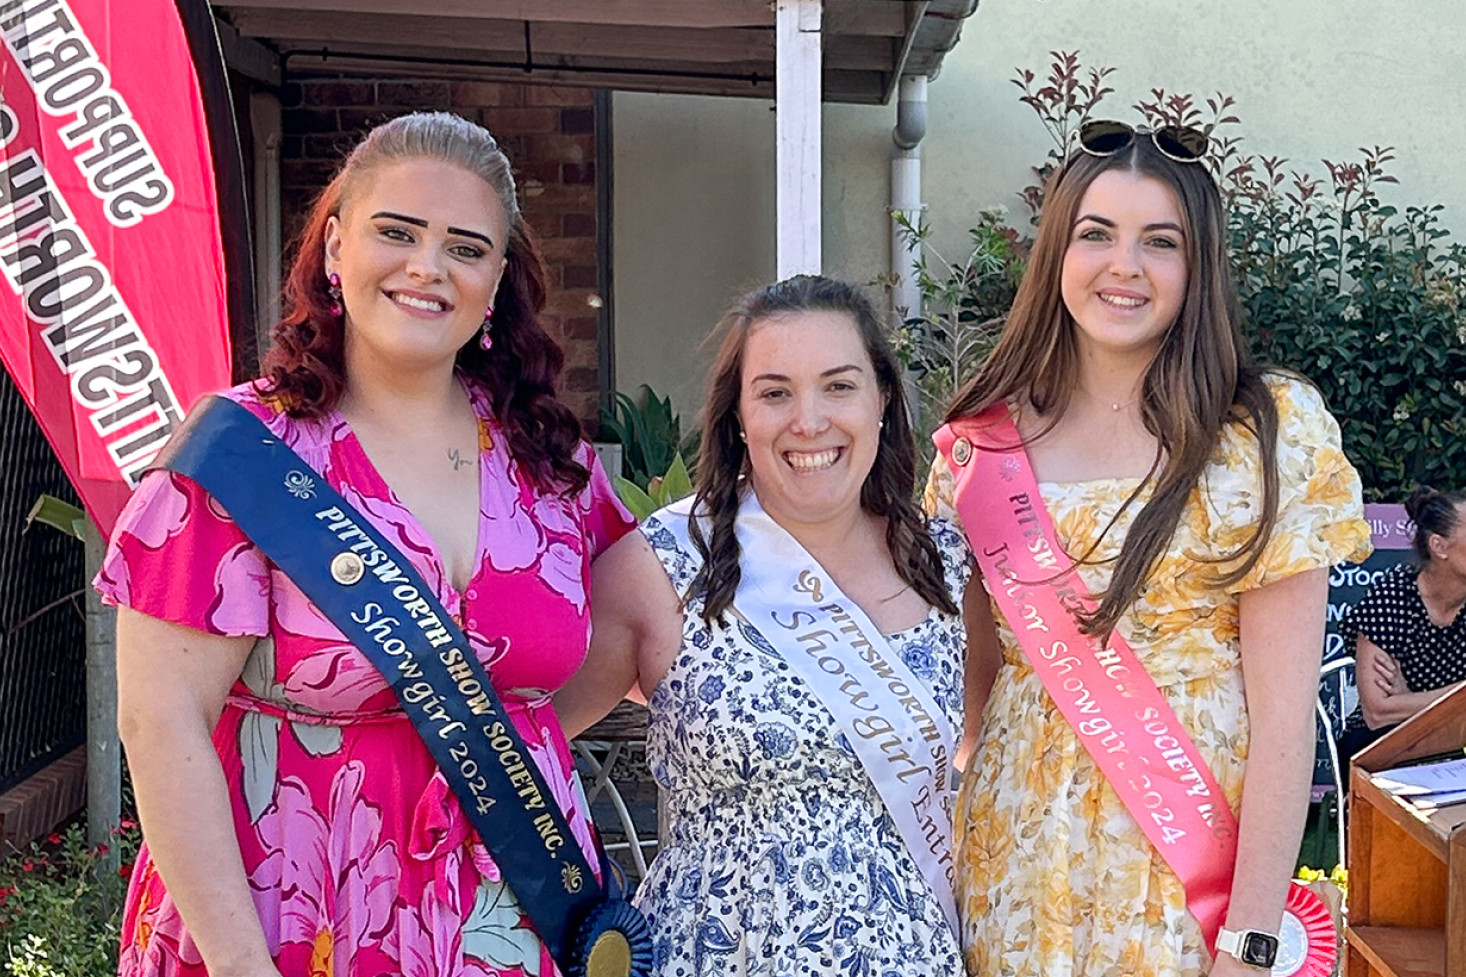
(1308, 943)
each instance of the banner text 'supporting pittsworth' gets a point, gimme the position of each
(109, 238)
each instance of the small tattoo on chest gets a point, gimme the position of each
(458, 460)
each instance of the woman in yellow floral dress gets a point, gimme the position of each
(1203, 499)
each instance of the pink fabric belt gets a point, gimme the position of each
(267, 707)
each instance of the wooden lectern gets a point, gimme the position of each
(1407, 868)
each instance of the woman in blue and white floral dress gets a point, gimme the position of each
(779, 857)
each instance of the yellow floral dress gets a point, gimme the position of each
(1055, 877)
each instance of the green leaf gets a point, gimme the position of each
(677, 483)
(640, 504)
(612, 429)
(58, 515)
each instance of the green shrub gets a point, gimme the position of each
(649, 431)
(61, 907)
(964, 304)
(1366, 302)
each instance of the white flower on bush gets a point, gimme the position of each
(1461, 332)
(1402, 412)
(1382, 337)
(1460, 386)
(1351, 313)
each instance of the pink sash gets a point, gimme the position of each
(1118, 714)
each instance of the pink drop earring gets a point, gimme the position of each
(485, 340)
(334, 290)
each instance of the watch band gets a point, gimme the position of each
(1253, 948)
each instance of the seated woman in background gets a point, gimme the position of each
(800, 647)
(1409, 630)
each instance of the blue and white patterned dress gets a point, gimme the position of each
(779, 858)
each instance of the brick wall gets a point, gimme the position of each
(549, 135)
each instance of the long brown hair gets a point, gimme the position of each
(1202, 376)
(723, 458)
(306, 366)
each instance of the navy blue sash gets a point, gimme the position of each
(364, 585)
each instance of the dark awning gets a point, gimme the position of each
(713, 47)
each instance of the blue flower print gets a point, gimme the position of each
(919, 658)
(714, 936)
(775, 739)
(884, 886)
(846, 927)
(839, 858)
(780, 863)
(711, 689)
(690, 882)
(661, 952)
(659, 537)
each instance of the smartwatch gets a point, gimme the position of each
(1251, 947)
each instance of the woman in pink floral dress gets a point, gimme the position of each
(295, 823)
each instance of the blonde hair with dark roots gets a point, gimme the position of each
(1201, 379)
(888, 490)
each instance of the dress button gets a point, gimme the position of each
(472, 595)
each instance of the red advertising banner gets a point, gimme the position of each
(115, 316)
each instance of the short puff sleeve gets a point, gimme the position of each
(605, 516)
(176, 555)
(1320, 518)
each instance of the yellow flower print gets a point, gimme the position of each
(322, 954)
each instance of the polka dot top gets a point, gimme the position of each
(1393, 616)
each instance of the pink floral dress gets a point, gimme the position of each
(359, 858)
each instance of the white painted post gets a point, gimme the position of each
(797, 92)
(906, 194)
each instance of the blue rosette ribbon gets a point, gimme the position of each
(613, 940)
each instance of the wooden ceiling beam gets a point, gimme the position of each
(306, 59)
(883, 18)
(863, 87)
(545, 40)
(249, 57)
(696, 14)
(694, 79)
(850, 52)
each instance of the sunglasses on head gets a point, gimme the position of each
(1106, 137)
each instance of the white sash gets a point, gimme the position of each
(892, 722)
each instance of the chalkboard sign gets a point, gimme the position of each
(1393, 533)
